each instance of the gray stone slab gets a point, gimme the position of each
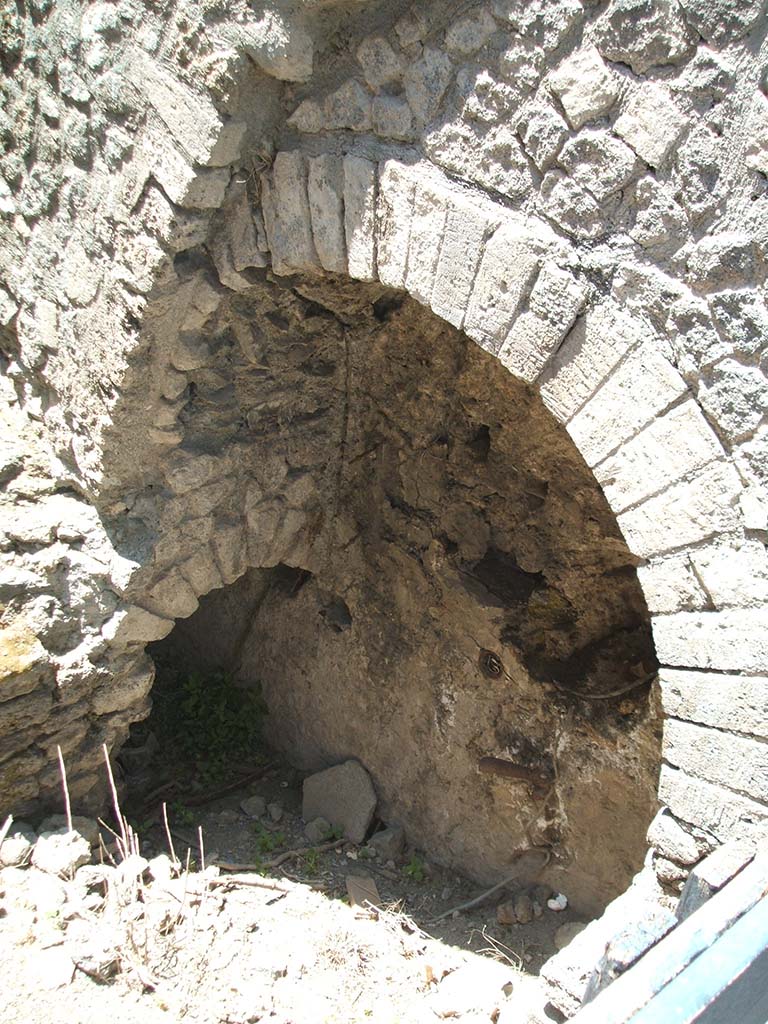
(344, 796)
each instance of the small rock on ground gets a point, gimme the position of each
(389, 844)
(317, 830)
(254, 806)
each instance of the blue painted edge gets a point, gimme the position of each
(731, 972)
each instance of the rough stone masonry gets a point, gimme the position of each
(221, 225)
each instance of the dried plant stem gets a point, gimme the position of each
(65, 787)
(168, 834)
(116, 802)
(489, 892)
(202, 848)
(4, 830)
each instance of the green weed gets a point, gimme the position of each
(415, 868)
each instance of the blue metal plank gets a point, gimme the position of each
(726, 984)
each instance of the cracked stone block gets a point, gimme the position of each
(287, 215)
(430, 208)
(393, 222)
(467, 228)
(543, 133)
(585, 86)
(671, 839)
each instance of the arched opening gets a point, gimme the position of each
(434, 584)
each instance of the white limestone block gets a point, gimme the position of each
(685, 513)
(554, 304)
(595, 345)
(720, 811)
(467, 229)
(668, 449)
(430, 209)
(507, 270)
(636, 392)
(735, 640)
(719, 757)
(325, 189)
(734, 574)
(360, 217)
(670, 585)
(585, 85)
(737, 703)
(651, 123)
(394, 210)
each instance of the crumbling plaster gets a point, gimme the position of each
(579, 187)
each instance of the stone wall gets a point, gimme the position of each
(579, 187)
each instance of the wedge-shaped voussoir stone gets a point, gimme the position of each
(394, 210)
(325, 188)
(508, 268)
(467, 229)
(360, 217)
(287, 215)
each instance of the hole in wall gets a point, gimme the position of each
(461, 614)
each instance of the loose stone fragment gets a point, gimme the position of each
(344, 795)
(253, 806)
(61, 853)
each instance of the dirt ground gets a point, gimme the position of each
(260, 943)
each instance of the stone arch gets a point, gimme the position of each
(602, 363)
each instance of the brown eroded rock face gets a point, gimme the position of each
(461, 615)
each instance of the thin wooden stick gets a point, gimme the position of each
(168, 834)
(277, 861)
(65, 787)
(5, 828)
(115, 801)
(248, 880)
(489, 892)
(202, 848)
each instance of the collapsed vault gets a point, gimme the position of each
(467, 620)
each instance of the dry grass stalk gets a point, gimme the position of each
(174, 859)
(116, 802)
(65, 787)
